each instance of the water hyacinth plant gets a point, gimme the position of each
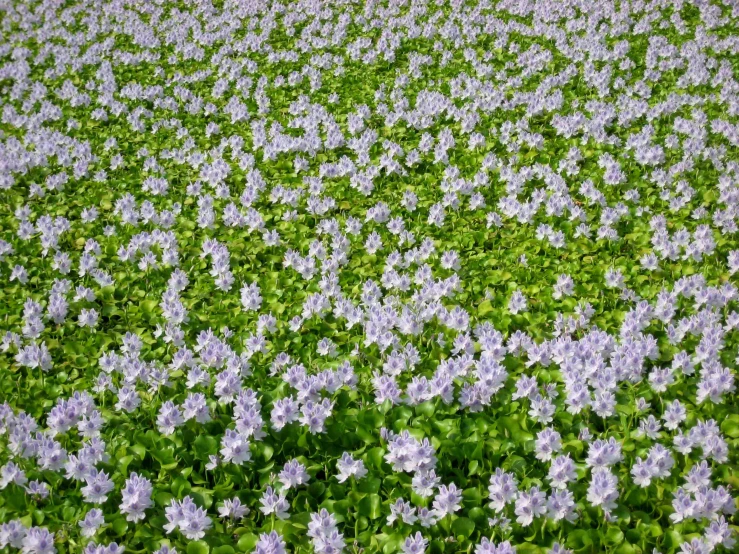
(369, 276)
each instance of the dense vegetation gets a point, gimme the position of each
(326, 276)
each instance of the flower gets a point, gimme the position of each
(136, 497)
(91, 522)
(38, 540)
(233, 509)
(414, 544)
(349, 467)
(273, 503)
(186, 516)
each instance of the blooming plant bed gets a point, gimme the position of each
(369, 276)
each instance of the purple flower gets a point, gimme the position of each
(273, 503)
(233, 509)
(529, 505)
(324, 533)
(503, 489)
(38, 540)
(271, 543)
(414, 544)
(349, 467)
(97, 488)
(136, 499)
(293, 474)
(235, 447)
(12, 533)
(603, 489)
(91, 522)
(447, 500)
(186, 516)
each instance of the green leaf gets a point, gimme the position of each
(119, 526)
(375, 457)
(197, 547)
(614, 536)
(579, 539)
(463, 527)
(370, 506)
(247, 542)
(485, 307)
(730, 426)
(181, 487)
(205, 446)
(392, 543)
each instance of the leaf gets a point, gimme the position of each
(247, 542)
(205, 446)
(163, 498)
(119, 526)
(369, 485)
(730, 426)
(392, 543)
(614, 536)
(426, 408)
(463, 527)
(370, 506)
(197, 547)
(484, 308)
(165, 457)
(579, 539)
(180, 487)
(375, 457)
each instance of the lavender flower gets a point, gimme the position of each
(349, 467)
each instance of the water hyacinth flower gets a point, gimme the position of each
(166, 550)
(274, 503)
(191, 520)
(37, 489)
(425, 482)
(529, 505)
(324, 534)
(402, 510)
(284, 411)
(603, 489)
(447, 500)
(233, 509)
(293, 474)
(349, 467)
(561, 505)
(169, 418)
(405, 453)
(235, 448)
(486, 546)
(136, 497)
(562, 471)
(314, 415)
(517, 303)
(548, 442)
(92, 521)
(38, 540)
(12, 534)
(270, 543)
(502, 490)
(112, 548)
(98, 486)
(414, 544)
(11, 473)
